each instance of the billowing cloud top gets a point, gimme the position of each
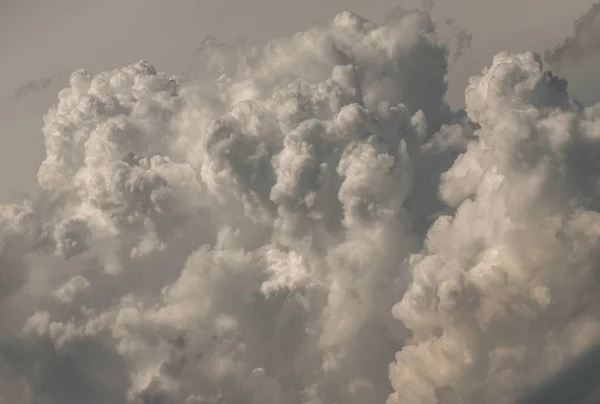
(299, 216)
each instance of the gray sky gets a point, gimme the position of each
(40, 41)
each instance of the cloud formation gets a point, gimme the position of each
(583, 43)
(504, 290)
(286, 223)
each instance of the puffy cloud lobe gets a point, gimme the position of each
(502, 293)
(69, 291)
(108, 154)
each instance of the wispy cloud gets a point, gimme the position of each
(582, 44)
(36, 86)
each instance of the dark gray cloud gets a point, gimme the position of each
(583, 43)
(577, 383)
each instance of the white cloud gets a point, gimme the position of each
(246, 234)
(502, 293)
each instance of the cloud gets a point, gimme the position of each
(281, 224)
(583, 43)
(501, 295)
(34, 86)
(577, 382)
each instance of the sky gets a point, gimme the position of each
(45, 41)
(302, 203)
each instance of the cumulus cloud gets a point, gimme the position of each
(583, 43)
(504, 289)
(286, 222)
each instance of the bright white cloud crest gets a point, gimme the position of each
(294, 218)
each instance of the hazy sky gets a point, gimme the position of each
(43, 41)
